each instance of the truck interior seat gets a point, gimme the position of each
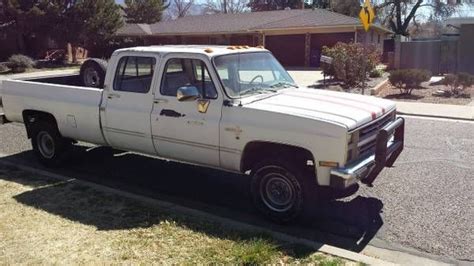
(174, 81)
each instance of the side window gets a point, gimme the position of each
(134, 74)
(203, 80)
(187, 72)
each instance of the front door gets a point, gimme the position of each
(128, 104)
(187, 130)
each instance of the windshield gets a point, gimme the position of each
(251, 73)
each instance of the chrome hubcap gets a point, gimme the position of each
(46, 144)
(277, 193)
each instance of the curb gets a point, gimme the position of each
(375, 90)
(324, 248)
(436, 116)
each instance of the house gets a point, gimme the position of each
(295, 37)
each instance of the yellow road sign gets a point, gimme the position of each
(367, 15)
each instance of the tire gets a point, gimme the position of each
(278, 191)
(93, 73)
(48, 145)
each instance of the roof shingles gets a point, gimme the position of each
(242, 22)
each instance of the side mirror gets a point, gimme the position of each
(189, 93)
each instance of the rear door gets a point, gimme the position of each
(187, 130)
(128, 102)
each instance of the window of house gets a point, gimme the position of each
(187, 72)
(134, 74)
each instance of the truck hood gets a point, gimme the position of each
(349, 110)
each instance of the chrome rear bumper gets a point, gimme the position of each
(368, 168)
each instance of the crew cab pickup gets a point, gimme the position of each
(232, 108)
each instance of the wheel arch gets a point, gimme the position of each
(256, 151)
(31, 117)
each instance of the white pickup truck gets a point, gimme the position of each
(232, 108)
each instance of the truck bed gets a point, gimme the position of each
(75, 108)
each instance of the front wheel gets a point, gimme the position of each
(277, 191)
(48, 144)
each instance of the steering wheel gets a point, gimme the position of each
(255, 78)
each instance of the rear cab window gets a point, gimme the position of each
(134, 74)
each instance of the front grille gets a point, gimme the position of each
(366, 137)
(375, 127)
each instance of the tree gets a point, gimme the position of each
(266, 5)
(181, 7)
(431, 28)
(23, 18)
(347, 7)
(225, 6)
(144, 11)
(398, 14)
(323, 4)
(86, 23)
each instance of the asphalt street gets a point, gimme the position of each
(423, 204)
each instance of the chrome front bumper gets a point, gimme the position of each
(368, 168)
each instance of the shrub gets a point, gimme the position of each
(376, 73)
(457, 84)
(406, 80)
(351, 62)
(19, 63)
(3, 68)
(466, 80)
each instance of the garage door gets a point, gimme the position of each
(288, 49)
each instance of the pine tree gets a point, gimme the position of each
(25, 18)
(83, 22)
(144, 11)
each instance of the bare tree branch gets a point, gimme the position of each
(182, 7)
(225, 6)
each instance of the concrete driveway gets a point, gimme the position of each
(306, 77)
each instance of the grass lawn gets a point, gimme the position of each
(46, 221)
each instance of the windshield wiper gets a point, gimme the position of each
(283, 84)
(258, 90)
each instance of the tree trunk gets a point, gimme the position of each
(20, 43)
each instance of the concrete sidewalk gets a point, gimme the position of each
(461, 112)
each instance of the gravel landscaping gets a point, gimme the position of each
(426, 94)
